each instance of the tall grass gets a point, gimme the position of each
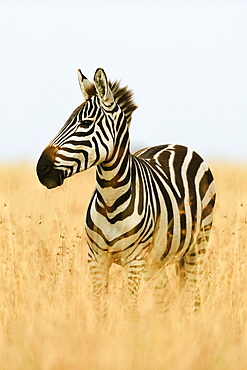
(46, 318)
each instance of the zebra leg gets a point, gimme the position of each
(180, 270)
(161, 291)
(99, 273)
(134, 275)
(193, 268)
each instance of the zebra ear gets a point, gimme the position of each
(84, 84)
(102, 86)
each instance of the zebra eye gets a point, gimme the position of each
(85, 123)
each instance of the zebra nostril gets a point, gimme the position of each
(45, 168)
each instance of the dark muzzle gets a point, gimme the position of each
(47, 174)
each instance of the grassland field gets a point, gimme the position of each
(46, 315)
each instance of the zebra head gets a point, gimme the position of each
(90, 134)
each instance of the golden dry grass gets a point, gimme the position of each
(46, 319)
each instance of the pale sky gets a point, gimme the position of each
(186, 62)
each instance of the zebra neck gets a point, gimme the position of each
(114, 181)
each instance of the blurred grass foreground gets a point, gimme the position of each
(46, 316)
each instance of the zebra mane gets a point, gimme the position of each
(122, 95)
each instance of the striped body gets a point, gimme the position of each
(148, 210)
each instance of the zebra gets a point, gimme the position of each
(148, 210)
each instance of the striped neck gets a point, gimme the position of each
(114, 176)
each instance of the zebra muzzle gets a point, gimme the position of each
(48, 175)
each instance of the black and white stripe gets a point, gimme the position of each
(148, 210)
